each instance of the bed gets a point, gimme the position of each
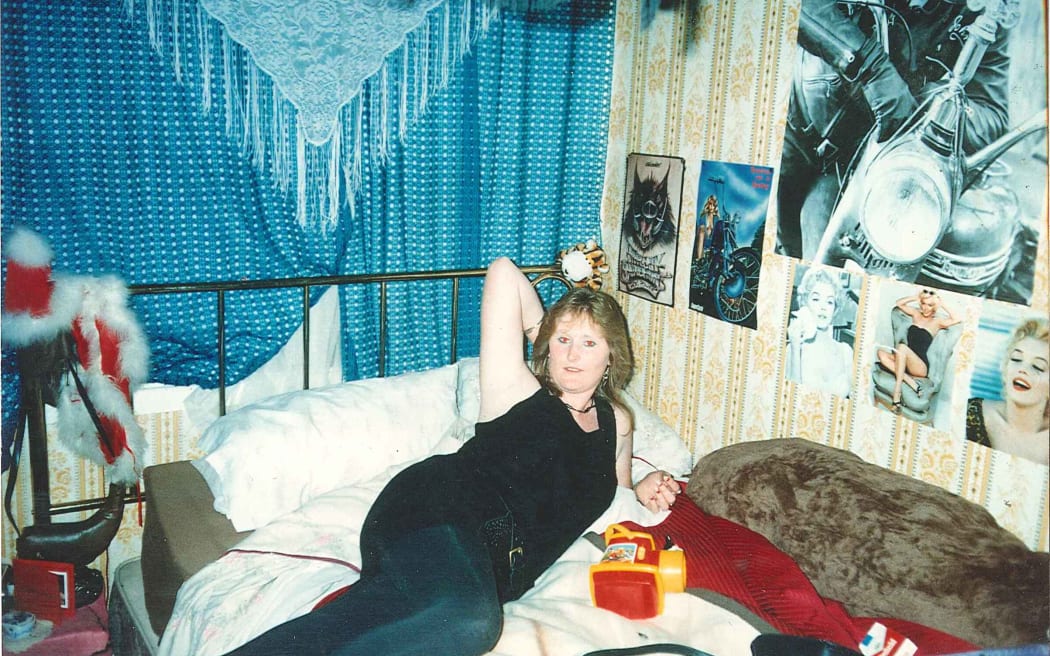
(780, 536)
(284, 539)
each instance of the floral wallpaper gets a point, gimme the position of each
(711, 81)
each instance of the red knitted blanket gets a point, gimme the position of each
(738, 563)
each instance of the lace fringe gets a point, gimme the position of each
(264, 122)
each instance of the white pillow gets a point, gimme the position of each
(281, 373)
(468, 398)
(654, 440)
(269, 458)
(657, 443)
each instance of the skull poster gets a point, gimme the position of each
(649, 237)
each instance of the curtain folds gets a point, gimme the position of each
(132, 162)
(508, 161)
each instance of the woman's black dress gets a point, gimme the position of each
(532, 471)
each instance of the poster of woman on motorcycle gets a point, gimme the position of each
(913, 149)
(727, 254)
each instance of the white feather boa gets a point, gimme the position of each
(104, 302)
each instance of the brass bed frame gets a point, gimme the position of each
(34, 394)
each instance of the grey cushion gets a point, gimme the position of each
(882, 543)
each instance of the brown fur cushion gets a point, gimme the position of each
(882, 543)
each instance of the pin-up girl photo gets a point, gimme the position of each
(916, 341)
(1009, 405)
(821, 330)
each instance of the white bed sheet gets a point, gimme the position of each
(283, 569)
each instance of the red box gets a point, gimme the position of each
(45, 589)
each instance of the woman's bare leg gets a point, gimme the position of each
(895, 361)
(887, 358)
(907, 367)
(914, 368)
(900, 369)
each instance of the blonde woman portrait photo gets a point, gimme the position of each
(1009, 405)
(916, 336)
(821, 330)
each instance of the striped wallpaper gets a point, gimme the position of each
(710, 81)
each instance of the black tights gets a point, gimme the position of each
(428, 592)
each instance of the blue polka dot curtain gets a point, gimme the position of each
(112, 159)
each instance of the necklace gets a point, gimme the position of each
(582, 410)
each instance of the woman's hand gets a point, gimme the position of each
(803, 326)
(657, 491)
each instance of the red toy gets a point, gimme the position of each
(633, 574)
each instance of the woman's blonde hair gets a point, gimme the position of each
(927, 294)
(816, 275)
(603, 310)
(1035, 327)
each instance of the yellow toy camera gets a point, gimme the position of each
(633, 574)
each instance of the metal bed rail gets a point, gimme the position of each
(305, 284)
(537, 273)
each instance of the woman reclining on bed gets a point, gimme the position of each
(452, 538)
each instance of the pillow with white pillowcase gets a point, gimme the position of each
(269, 458)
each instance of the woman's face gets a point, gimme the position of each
(821, 303)
(579, 354)
(928, 305)
(1027, 380)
